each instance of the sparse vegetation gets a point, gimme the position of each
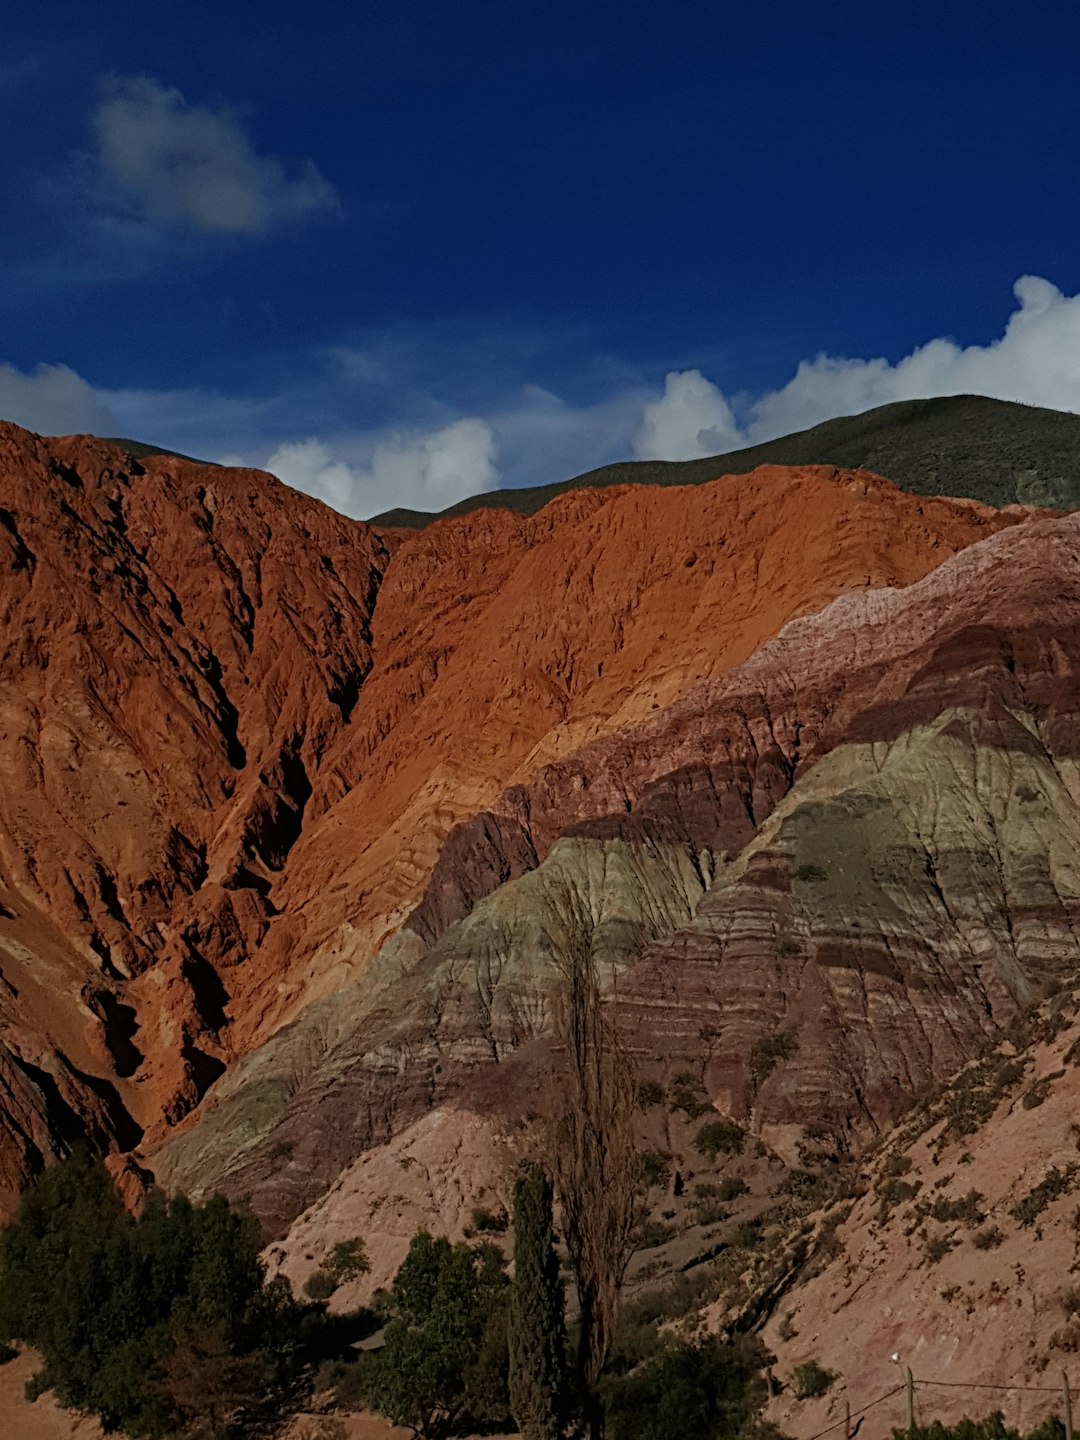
(809, 873)
(894, 1192)
(719, 1137)
(1056, 1182)
(655, 1168)
(896, 1164)
(810, 1380)
(488, 1222)
(725, 1190)
(965, 1208)
(988, 1238)
(936, 1248)
(770, 1051)
(650, 1093)
(688, 1095)
(648, 1234)
(976, 1093)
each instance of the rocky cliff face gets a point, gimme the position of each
(824, 881)
(178, 648)
(295, 817)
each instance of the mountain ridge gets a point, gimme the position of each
(947, 445)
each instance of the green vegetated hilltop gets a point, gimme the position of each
(995, 451)
(140, 450)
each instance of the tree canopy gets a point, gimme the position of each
(444, 1360)
(122, 1309)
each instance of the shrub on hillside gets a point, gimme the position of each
(655, 1168)
(992, 1427)
(811, 1380)
(320, 1285)
(347, 1261)
(688, 1094)
(706, 1389)
(719, 1137)
(769, 1051)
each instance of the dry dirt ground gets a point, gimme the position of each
(42, 1420)
(45, 1420)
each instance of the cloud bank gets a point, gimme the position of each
(1036, 360)
(54, 400)
(192, 167)
(430, 444)
(689, 420)
(422, 472)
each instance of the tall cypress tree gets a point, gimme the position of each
(537, 1334)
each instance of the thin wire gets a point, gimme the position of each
(965, 1385)
(952, 1384)
(887, 1396)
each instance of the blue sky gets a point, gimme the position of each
(399, 252)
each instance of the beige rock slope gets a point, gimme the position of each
(963, 1256)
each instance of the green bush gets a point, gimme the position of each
(707, 1389)
(810, 1380)
(688, 1095)
(936, 1248)
(649, 1093)
(769, 1051)
(725, 1190)
(809, 873)
(1056, 1182)
(648, 1234)
(320, 1285)
(655, 1168)
(347, 1261)
(988, 1238)
(993, 1427)
(966, 1208)
(488, 1222)
(719, 1137)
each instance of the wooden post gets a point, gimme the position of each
(1066, 1409)
(909, 1396)
(847, 1421)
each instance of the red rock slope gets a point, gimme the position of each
(234, 730)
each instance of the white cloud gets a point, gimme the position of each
(690, 419)
(387, 436)
(53, 400)
(420, 472)
(190, 166)
(1035, 360)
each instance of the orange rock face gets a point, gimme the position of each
(178, 648)
(504, 642)
(235, 727)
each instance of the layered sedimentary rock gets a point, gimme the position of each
(237, 730)
(824, 881)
